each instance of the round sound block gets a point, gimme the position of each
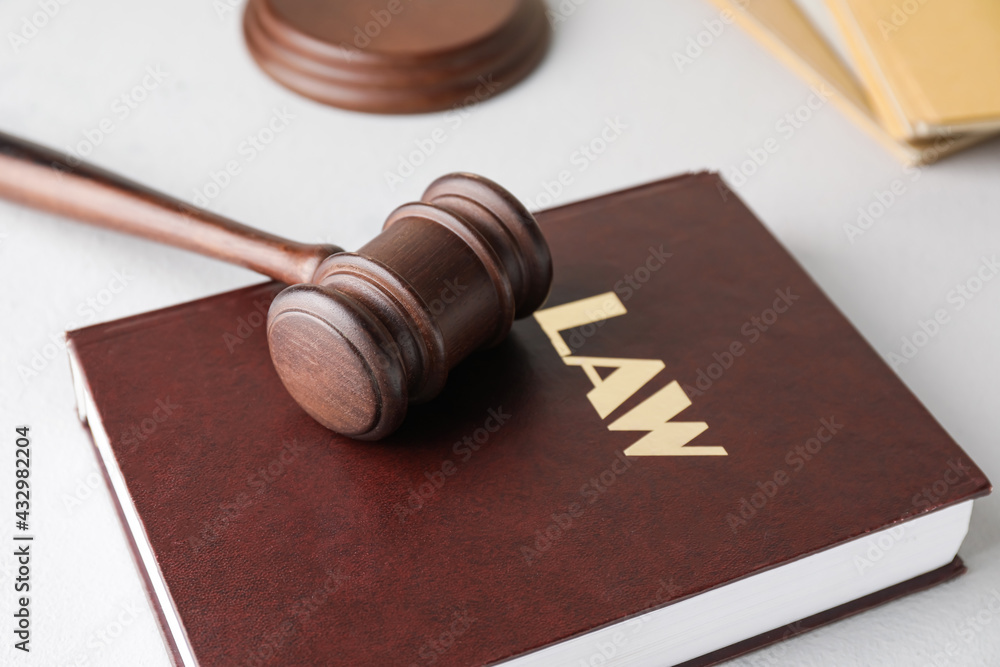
(397, 56)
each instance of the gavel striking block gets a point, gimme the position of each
(357, 336)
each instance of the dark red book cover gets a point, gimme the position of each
(688, 409)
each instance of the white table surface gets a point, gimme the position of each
(323, 178)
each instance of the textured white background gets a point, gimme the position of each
(324, 179)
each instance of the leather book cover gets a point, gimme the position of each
(619, 452)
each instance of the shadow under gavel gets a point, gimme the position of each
(358, 335)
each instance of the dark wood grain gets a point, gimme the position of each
(397, 56)
(358, 335)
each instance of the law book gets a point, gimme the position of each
(687, 454)
(789, 30)
(930, 67)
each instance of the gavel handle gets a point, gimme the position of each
(44, 179)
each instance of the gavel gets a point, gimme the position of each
(356, 336)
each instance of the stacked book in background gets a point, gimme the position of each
(922, 76)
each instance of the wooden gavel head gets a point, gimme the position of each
(358, 335)
(380, 328)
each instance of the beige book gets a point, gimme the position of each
(783, 28)
(930, 66)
